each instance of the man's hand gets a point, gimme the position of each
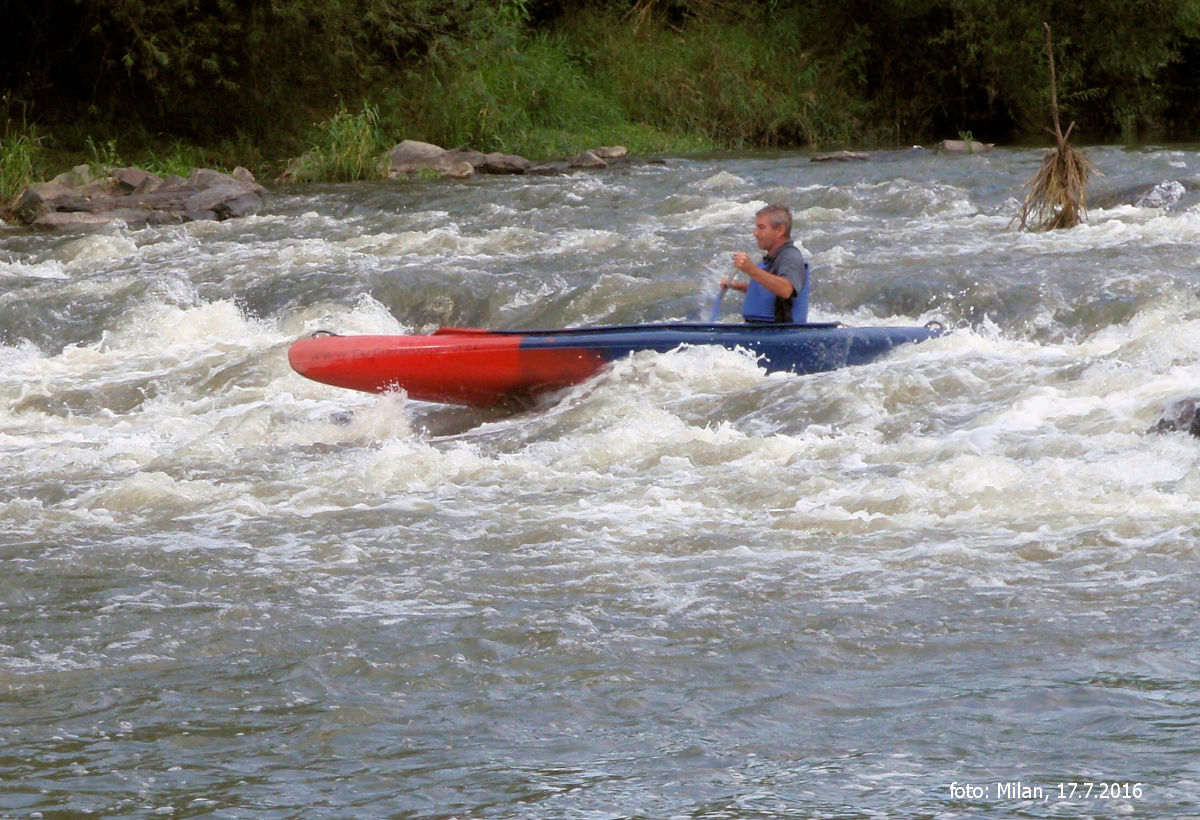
(744, 263)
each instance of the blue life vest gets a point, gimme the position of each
(763, 306)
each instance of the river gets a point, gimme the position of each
(957, 582)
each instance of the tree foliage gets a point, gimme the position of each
(768, 72)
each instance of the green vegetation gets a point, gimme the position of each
(345, 147)
(19, 166)
(178, 83)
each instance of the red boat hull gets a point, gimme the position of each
(429, 369)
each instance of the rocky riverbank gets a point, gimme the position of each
(80, 200)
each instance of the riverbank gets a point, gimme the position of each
(544, 81)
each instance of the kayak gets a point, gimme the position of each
(489, 367)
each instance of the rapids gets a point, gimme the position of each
(960, 581)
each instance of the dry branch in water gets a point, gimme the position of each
(1057, 195)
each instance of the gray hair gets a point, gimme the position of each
(780, 216)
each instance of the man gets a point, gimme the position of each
(779, 286)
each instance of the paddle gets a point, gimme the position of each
(716, 311)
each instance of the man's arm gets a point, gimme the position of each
(779, 286)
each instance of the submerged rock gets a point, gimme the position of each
(840, 156)
(1169, 194)
(1181, 417)
(77, 201)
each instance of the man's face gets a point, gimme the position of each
(767, 236)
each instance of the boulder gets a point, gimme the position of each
(411, 157)
(588, 159)
(77, 201)
(44, 197)
(223, 200)
(497, 163)
(415, 154)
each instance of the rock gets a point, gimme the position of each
(966, 146)
(468, 155)
(1182, 416)
(840, 156)
(588, 159)
(497, 163)
(245, 177)
(77, 177)
(76, 201)
(459, 170)
(224, 200)
(608, 152)
(1166, 195)
(135, 179)
(411, 156)
(44, 197)
(68, 221)
(547, 169)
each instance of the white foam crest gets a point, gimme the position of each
(1021, 483)
(643, 439)
(817, 215)
(445, 240)
(375, 474)
(832, 258)
(718, 213)
(151, 492)
(609, 437)
(1024, 440)
(591, 241)
(20, 269)
(721, 180)
(153, 327)
(687, 372)
(366, 315)
(924, 198)
(1116, 227)
(95, 248)
(16, 357)
(375, 418)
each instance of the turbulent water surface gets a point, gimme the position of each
(957, 582)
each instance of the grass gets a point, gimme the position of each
(345, 147)
(20, 165)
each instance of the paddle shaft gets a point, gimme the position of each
(716, 311)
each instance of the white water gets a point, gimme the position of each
(683, 588)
